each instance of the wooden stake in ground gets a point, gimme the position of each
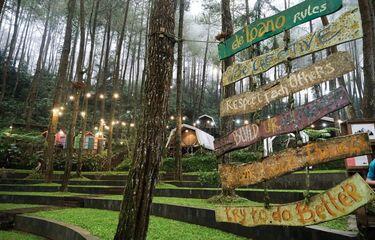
(135, 209)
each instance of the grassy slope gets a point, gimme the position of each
(10, 206)
(102, 223)
(6, 235)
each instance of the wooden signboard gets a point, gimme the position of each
(346, 28)
(289, 160)
(337, 202)
(271, 26)
(332, 67)
(287, 122)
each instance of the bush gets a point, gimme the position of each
(198, 162)
(245, 156)
(210, 178)
(124, 165)
(19, 149)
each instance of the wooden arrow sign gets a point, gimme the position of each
(337, 202)
(332, 67)
(233, 175)
(265, 28)
(347, 27)
(287, 122)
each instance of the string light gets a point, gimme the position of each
(238, 121)
(60, 114)
(340, 121)
(324, 124)
(167, 127)
(83, 114)
(172, 117)
(11, 127)
(62, 108)
(71, 98)
(96, 128)
(246, 122)
(101, 96)
(123, 124)
(116, 95)
(55, 111)
(88, 95)
(212, 123)
(312, 126)
(132, 125)
(184, 118)
(102, 121)
(198, 122)
(268, 116)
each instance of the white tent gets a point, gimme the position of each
(203, 139)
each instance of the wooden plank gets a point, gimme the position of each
(287, 122)
(347, 27)
(289, 160)
(332, 67)
(271, 26)
(337, 202)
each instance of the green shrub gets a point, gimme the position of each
(245, 156)
(124, 165)
(205, 162)
(20, 149)
(211, 178)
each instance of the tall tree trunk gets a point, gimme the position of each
(77, 88)
(115, 90)
(87, 95)
(11, 52)
(136, 205)
(1, 5)
(204, 75)
(226, 122)
(21, 60)
(367, 8)
(33, 92)
(61, 76)
(178, 154)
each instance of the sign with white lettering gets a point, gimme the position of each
(332, 67)
(347, 27)
(339, 201)
(290, 160)
(265, 28)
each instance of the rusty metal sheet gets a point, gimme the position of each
(289, 160)
(347, 27)
(287, 122)
(337, 202)
(332, 67)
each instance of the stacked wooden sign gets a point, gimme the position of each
(341, 200)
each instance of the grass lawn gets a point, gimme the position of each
(103, 223)
(10, 206)
(51, 194)
(13, 235)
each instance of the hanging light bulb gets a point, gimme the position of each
(116, 95)
(101, 96)
(88, 95)
(71, 98)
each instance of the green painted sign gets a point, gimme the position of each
(271, 26)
